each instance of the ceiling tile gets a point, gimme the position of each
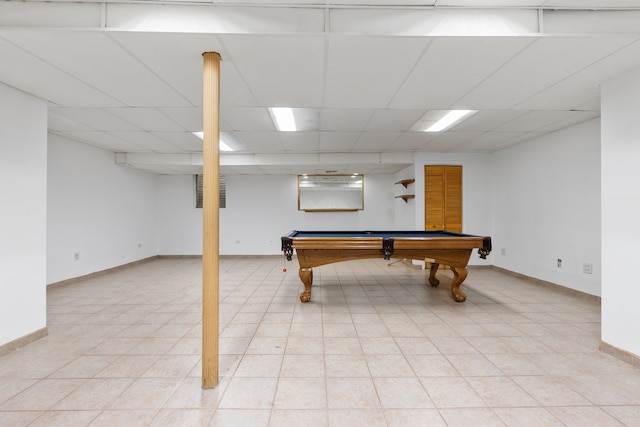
(393, 120)
(114, 70)
(96, 118)
(364, 72)
(451, 67)
(280, 71)
(300, 141)
(260, 142)
(534, 120)
(148, 119)
(338, 141)
(104, 140)
(147, 141)
(344, 119)
(376, 141)
(181, 140)
(33, 75)
(248, 119)
(540, 66)
(450, 140)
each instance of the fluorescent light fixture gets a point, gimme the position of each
(449, 119)
(283, 118)
(223, 145)
(439, 120)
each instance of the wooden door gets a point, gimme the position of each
(443, 198)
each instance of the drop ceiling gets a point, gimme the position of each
(127, 76)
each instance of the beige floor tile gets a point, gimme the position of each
(261, 345)
(172, 366)
(431, 365)
(305, 345)
(65, 418)
(375, 346)
(352, 393)
(342, 346)
(584, 416)
(357, 417)
(340, 330)
(273, 330)
(240, 417)
(182, 417)
(420, 345)
(187, 345)
(9, 387)
(500, 392)
(255, 393)
(451, 392)
(115, 346)
(95, 394)
(84, 367)
(389, 365)
(628, 415)
(130, 418)
(128, 366)
(527, 417)
(403, 393)
(551, 390)
(515, 364)
(413, 418)
(260, 365)
(379, 345)
(298, 418)
(473, 365)
(18, 418)
(153, 345)
(146, 393)
(465, 417)
(42, 395)
(190, 395)
(303, 365)
(306, 330)
(346, 366)
(300, 393)
(453, 345)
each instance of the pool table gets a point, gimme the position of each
(316, 248)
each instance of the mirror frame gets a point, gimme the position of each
(336, 204)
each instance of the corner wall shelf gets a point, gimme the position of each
(406, 182)
(406, 197)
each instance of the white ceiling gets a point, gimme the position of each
(127, 76)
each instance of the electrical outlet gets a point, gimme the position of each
(559, 263)
(503, 251)
(587, 268)
(76, 256)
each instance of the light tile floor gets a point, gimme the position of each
(374, 347)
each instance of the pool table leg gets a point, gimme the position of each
(306, 275)
(459, 274)
(433, 280)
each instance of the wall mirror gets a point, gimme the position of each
(325, 193)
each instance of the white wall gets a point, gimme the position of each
(259, 210)
(620, 211)
(179, 227)
(23, 215)
(404, 212)
(103, 212)
(547, 207)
